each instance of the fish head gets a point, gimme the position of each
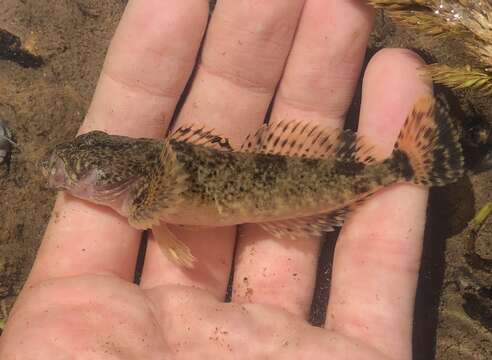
(79, 160)
(98, 167)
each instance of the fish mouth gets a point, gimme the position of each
(53, 170)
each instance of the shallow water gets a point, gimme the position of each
(44, 105)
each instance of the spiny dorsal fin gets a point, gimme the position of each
(308, 226)
(307, 139)
(199, 135)
(158, 194)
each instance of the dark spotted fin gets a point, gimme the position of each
(199, 135)
(308, 226)
(428, 151)
(172, 247)
(159, 194)
(310, 140)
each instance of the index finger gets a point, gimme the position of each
(148, 64)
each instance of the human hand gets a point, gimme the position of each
(79, 301)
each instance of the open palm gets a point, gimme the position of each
(79, 301)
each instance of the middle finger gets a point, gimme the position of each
(243, 56)
(318, 85)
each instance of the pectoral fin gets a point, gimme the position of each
(172, 247)
(159, 193)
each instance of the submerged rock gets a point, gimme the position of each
(5, 142)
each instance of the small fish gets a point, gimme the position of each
(294, 178)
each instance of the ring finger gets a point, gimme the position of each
(318, 85)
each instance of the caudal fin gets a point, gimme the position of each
(428, 151)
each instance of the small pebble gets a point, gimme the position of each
(5, 142)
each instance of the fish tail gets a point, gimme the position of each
(428, 151)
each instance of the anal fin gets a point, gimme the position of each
(308, 226)
(172, 247)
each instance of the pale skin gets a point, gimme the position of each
(79, 301)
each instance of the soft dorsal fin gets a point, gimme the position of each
(199, 135)
(292, 138)
(307, 139)
(352, 146)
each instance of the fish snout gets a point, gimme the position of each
(53, 170)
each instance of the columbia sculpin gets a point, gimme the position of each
(293, 178)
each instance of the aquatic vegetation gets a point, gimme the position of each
(474, 228)
(466, 21)
(462, 77)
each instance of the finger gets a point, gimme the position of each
(377, 257)
(149, 62)
(147, 66)
(317, 85)
(243, 56)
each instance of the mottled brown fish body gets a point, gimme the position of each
(295, 178)
(227, 188)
